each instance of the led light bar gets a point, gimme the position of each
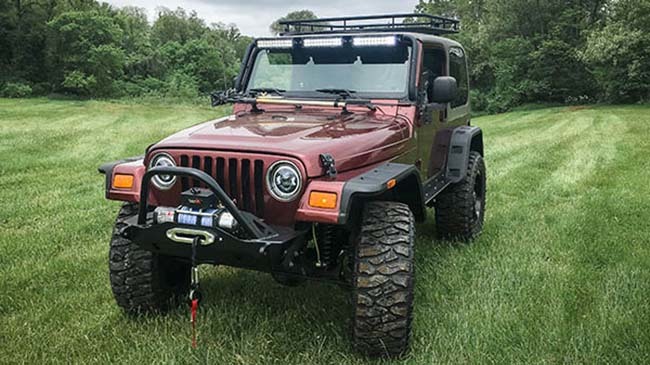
(275, 43)
(374, 41)
(323, 42)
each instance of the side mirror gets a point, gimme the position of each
(442, 90)
(445, 89)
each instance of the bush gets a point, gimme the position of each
(123, 88)
(16, 90)
(478, 100)
(79, 83)
(620, 62)
(180, 85)
(41, 88)
(153, 85)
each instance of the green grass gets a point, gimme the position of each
(560, 275)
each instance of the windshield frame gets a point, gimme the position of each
(408, 95)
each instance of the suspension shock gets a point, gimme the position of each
(328, 244)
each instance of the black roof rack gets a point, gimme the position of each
(416, 23)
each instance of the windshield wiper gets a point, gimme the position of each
(344, 93)
(268, 90)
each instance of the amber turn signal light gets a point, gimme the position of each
(123, 181)
(319, 199)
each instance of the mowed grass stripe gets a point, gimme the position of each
(560, 274)
(548, 263)
(480, 308)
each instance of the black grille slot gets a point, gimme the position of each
(207, 166)
(242, 180)
(185, 162)
(259, 188)
(246, 185)
(196, 164)
(232, 179)
(221, 166)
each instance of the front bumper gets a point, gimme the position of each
(264, 247)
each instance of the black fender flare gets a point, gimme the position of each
(107, 170)
(377, 182)
(463, 141)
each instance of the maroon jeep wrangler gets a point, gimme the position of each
(344, 132)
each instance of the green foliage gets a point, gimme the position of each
(79, 83)
(181, 85)
(276, 28)
(177, 26)
(520, 51)
(86, 46)
(16, 90)
(90, 49)
(555, 51)
(618, 54)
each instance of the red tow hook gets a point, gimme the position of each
(195, 307)
(195, 294)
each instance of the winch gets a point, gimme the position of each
(200, 208)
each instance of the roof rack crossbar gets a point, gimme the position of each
(414, 22)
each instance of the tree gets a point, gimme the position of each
(618, 54)
(176, 26)
(524, 51)
(276, 28)
(85, 50)
(520, 51)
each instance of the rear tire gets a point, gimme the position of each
(142, 281)
(383, 280)
(460, 209)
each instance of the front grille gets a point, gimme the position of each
(241, 179)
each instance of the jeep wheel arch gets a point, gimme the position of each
(463, 141)
(392, 181)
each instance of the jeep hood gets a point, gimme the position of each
(354, 140)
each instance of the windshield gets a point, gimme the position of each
(370, 72)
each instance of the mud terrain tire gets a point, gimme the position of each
(460, 209)
(383, 280)
(143, 282)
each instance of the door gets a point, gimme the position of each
(458, 111)
(434, 61)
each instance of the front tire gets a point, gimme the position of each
(142, 281)
(383, 280)
(460, 209)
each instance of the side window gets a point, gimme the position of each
(458, 70)
(432, 67)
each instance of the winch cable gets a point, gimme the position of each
(195, 293)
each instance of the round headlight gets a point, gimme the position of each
(163, 182)
(284, 181)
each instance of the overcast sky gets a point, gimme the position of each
(253, 17)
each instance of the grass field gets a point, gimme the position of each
(560, 275)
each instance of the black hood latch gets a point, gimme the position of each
(329, 165)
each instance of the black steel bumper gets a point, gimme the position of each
(264, 248)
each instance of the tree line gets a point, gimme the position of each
(521, 51)
(554, 51)
(88, 49)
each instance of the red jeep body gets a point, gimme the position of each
(358, 142)
(345, 153)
